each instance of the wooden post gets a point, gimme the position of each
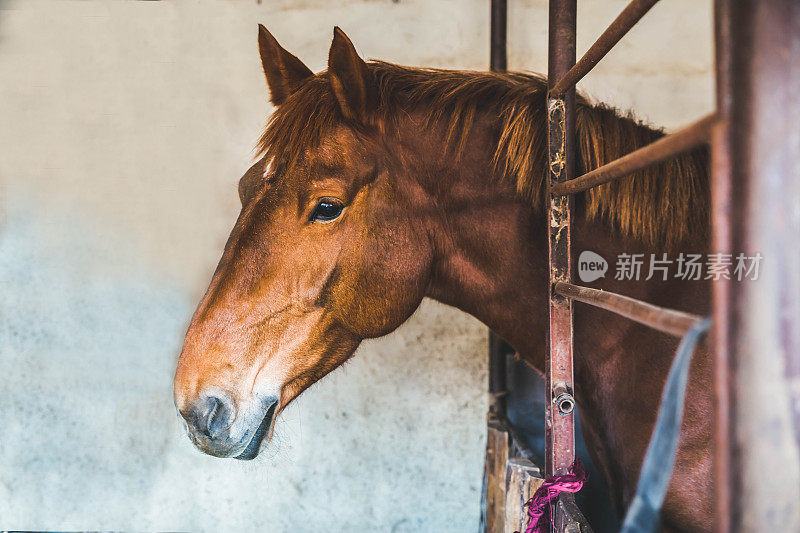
(522, 480)
(498, 444)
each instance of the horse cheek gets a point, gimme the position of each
(386, 286)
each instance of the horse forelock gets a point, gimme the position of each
(666, 203)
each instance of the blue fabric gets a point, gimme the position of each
(643, 513)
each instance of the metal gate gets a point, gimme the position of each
(754, 137)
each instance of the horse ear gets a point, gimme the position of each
(284, 72)
(350, 78)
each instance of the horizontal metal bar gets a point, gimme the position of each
(666, 320)
(615, 31)
(691, 136)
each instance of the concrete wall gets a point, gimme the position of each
(124, 128)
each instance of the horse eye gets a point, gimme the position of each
(326, 211)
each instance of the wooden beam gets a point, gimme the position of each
(522, 480)
(498, 444)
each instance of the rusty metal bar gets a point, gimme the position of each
(720, 336)
(763, 364)
(497, 375)
(691, 136)
(629, 16)
(497, 351)
(560, 426)
(666, 320)
(499, 17)
(569, 518)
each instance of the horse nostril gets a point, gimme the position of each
(212, 416)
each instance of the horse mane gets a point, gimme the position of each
(662, 204)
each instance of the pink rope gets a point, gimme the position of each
(540, 506)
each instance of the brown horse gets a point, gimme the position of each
(380, 185)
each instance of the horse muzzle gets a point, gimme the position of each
(217, 427)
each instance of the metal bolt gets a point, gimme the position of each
(562, 397)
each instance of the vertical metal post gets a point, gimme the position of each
(559, 425)
(762, 369)
(497, 352)
(721, 243)
(497, 375)
(498, 59)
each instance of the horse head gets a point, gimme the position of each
(324, 253)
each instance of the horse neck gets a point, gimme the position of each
(491, 258)
(490, 252)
